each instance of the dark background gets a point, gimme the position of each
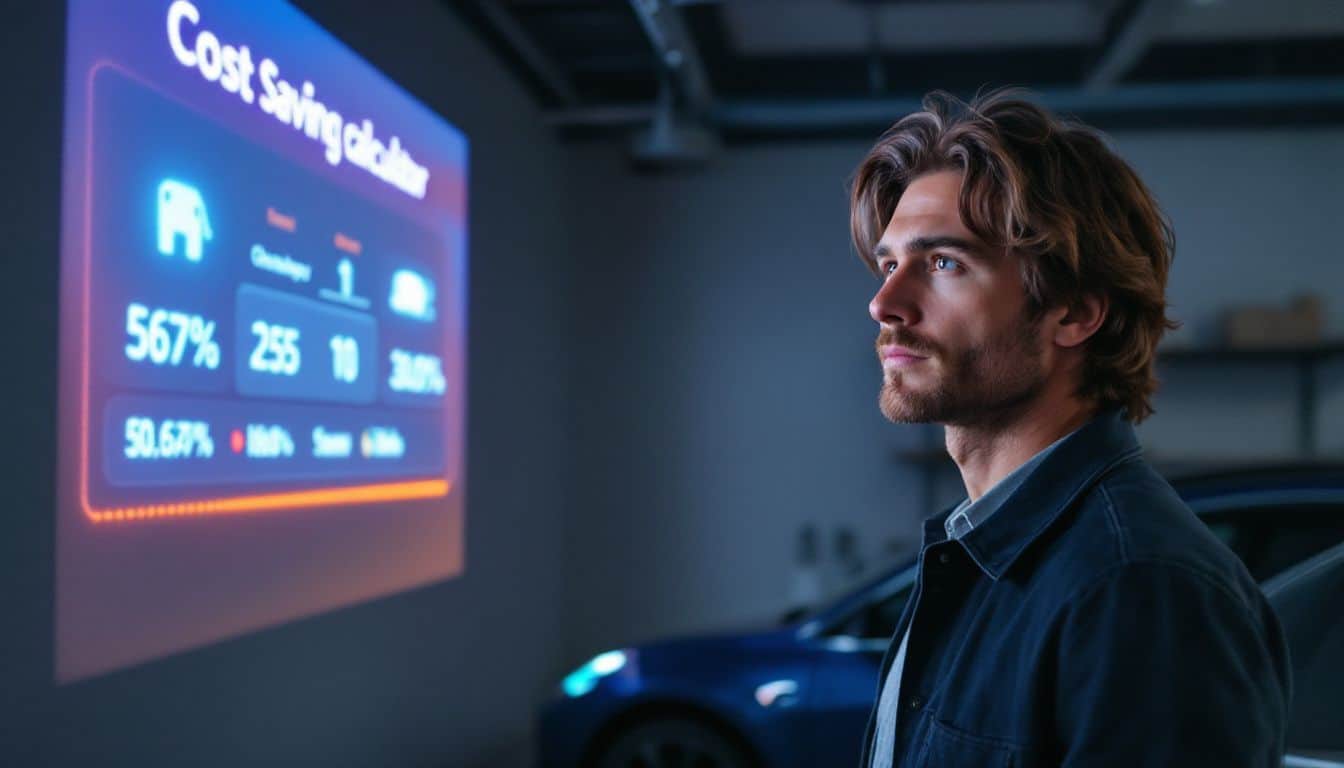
(670, 373)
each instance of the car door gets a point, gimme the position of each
(1309, 600)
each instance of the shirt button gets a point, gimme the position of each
(944, 558)
(916, 702)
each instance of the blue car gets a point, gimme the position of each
(799, 694)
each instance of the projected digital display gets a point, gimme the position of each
(263, 307)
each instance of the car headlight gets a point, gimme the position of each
(586, 677)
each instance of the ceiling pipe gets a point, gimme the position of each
(1132, 29)
(676, 52)
(536, 60)
(679, 135)
(1185, 98)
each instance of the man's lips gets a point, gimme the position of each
(898, 356)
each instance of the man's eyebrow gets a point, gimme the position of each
(930, 243)
(934, 242)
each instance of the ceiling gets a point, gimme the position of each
(749, 70)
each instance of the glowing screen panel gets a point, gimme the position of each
(263, 307)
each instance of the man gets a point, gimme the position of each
(1072, 610)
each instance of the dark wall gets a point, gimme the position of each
(443, 675)
(727, 388)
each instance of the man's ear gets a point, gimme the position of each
(1081, 320)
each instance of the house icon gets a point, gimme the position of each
(182, 214)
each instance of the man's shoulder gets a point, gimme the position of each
(1133, 520)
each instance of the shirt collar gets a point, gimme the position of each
(971, 514)
(1068, 469)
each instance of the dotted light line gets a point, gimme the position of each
(359, 494)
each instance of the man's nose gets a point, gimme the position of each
(894, 301)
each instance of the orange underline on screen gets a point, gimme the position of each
(317, 497)
(279, 220)
(348, 244)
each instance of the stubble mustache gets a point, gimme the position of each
(902, 337)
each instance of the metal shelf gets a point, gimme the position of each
(1166, 463)
(1304, 357)
(1309, 353)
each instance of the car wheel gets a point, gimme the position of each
(665, 743)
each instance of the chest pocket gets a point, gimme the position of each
(948, 746)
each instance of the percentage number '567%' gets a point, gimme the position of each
(162, 336)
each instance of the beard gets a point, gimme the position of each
(981, 385)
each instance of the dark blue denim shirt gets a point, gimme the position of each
(1092, 620)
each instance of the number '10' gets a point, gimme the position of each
(344, 358)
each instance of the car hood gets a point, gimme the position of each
(751, 638)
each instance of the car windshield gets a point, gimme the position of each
(1309, 600)
(852, 598)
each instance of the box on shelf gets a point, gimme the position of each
(1301, 323)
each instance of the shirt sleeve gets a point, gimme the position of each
(1160, 665)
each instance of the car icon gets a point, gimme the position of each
(412, 295)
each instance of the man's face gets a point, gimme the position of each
(955, 342)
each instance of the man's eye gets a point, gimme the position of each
(944, 262)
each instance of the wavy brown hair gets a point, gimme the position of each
(1052, 191)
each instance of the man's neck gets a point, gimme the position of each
(986, 455)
